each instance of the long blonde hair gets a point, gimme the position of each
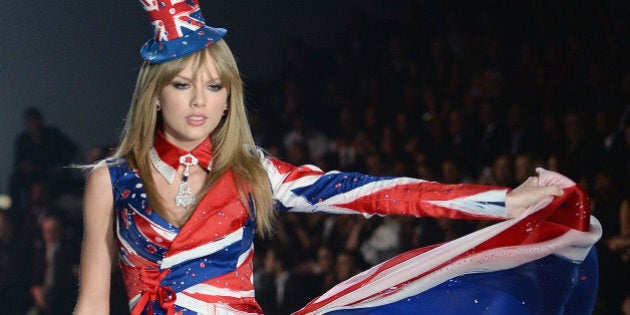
(232, 142)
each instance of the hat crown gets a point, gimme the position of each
(179, 29)
(172, 19)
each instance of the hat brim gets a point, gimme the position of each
(163, 51)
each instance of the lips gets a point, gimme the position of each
(196, 120)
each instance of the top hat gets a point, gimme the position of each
(180, 30)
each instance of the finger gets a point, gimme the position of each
(531, 181)
(555, 190)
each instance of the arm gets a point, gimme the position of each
(97, 251)
(621, 243)
(308, 189)
(624, 218)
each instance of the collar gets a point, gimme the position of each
(165, 156)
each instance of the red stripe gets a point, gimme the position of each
(132, 274)
(146, 228)
(219, 213)
(414, 199)
(293, 171)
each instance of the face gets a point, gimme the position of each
(192, 105)
(51, 231)
(344, 266)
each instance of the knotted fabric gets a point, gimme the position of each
(155, 292)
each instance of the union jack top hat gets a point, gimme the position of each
(180, 30)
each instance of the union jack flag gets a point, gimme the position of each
(172, 19)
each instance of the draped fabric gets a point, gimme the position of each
(542, 262)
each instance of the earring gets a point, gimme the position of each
(226, 112)
(158, 107)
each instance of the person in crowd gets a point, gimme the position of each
(14, 265)
(346, 266)
(612, 207)
(582, 151)
(280, 290)
(41, 152)
(40, 205)
(54, 270)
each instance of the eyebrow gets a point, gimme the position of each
(212, 79)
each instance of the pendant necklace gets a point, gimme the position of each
(168, 158)
(185, 197)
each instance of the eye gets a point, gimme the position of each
(180, 85)
(215, 87)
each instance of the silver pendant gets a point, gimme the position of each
(185, 196)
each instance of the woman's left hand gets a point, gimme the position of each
(528, 194)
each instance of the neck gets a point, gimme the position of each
(186, 145)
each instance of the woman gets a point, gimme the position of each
(187, 148)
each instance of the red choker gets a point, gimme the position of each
(166, 158)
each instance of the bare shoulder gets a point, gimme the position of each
(98, 186)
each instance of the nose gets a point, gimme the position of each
(198, 98)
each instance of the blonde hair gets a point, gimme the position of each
(232, 142)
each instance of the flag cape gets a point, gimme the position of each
(541, 262)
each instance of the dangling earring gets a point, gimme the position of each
(226, 112)
(158, 107)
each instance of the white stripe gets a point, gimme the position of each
(166, 170)
(134, 300)
(370, 188)
(203, 250)
(277, 179)
(204, 308)
(243, 257)
(123, 241)
(207, 289)
(477, 204)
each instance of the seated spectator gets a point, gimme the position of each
(14, 264)
(384, 243)
(55, 266)
(41, 152)
(279, 290)
(346, 266)
(40, 205)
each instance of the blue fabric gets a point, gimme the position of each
(162, 51)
